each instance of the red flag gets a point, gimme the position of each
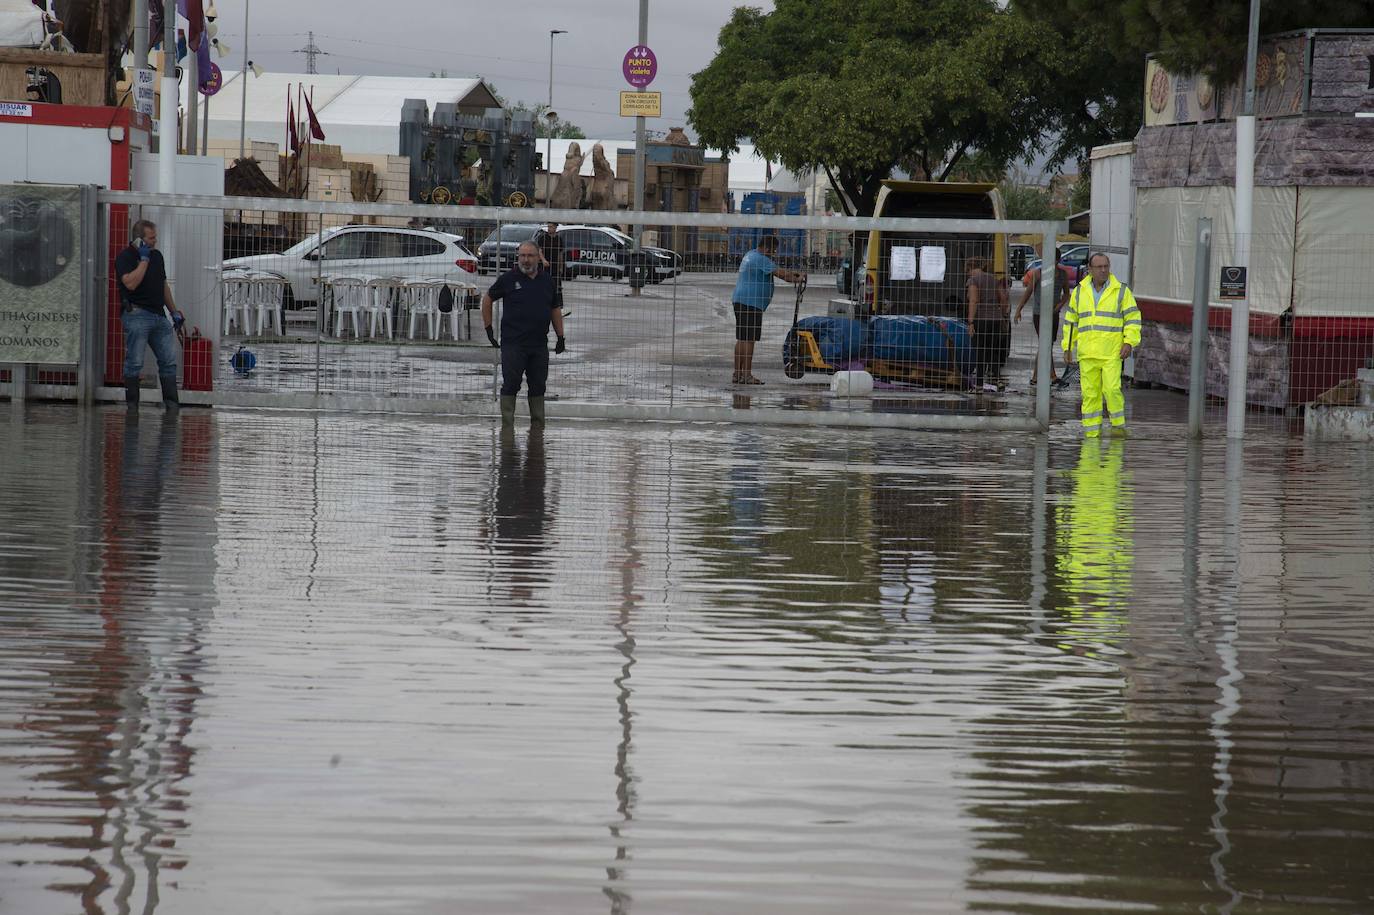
(293, 139)
(316, 130)
(194, 12)
(767, 171)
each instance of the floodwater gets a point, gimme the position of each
(292, 663)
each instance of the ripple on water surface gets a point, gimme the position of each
(261, 662)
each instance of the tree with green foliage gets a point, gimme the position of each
(562, 130)
(1097, 81)
(859, 87)
(1029, 201)
(1099, 87)
(1210, 38)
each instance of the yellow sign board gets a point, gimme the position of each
(641, 104)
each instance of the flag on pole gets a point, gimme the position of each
(154, 23)
(767, 172)
(293, 139)
(316, 130)
(194, 12)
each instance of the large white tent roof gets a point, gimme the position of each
(360, 113)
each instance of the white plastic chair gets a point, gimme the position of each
(423, 298)
(460, 294)
(266, 296)
(350, 294)
(383, 293)
(237, 292)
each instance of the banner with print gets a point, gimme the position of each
(40, 274)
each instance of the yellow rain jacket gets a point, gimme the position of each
(1098, 330)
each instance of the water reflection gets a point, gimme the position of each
(1095, 550)
(119, 653)
(922, 672)
(519, 522)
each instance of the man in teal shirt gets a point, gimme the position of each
(753, 293)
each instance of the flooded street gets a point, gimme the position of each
(294, 663)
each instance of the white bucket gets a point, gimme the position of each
(851, 384)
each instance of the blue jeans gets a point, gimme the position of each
(143, 328)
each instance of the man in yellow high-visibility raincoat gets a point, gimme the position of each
(1102, 323)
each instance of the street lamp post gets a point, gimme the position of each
(243, 84)
(548, 135)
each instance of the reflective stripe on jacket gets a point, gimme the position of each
(1097, 331)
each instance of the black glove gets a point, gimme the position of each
(560, 346)
(491, 335)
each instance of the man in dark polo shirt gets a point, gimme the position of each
(529, 304)
(144, 291)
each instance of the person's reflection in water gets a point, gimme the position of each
(1095, 553)
(521, 512)
(746, 495)
(145, 477)
(113, 727)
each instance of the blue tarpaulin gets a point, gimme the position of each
(922, 340)
(841, 339)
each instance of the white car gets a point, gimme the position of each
(380, 251)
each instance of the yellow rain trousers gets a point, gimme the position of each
(1097, 330)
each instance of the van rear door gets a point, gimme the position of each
(933, 200)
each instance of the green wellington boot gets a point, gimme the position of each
(536, 410)
(507, 408)
(170, 400)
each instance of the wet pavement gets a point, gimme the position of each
(280, 662)
(672, 345)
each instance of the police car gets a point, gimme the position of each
(602, 252)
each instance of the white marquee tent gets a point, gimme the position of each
(362, 114)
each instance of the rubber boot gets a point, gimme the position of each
(169, 393)
(536, 411)
(507, 409)
(131, 394)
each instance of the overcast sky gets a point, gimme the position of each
(507, 43)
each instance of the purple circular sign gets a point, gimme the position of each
(640, 66)
(213, 82)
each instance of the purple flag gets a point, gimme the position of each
(195, 15)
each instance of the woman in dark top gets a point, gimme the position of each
(987, 319)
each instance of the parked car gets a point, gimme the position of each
(1073, 255)
(496, 254)
(374, 250)
(600, 251)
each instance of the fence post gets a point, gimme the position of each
(1045, 339)
(321, 315)
(672, 345)
(19, 382)
(1197, 372)
(496, 322)
(87, 371)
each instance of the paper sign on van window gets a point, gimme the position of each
(903, 266)
(932, 264)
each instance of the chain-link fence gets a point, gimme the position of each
(357, 306)
(362, 306)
